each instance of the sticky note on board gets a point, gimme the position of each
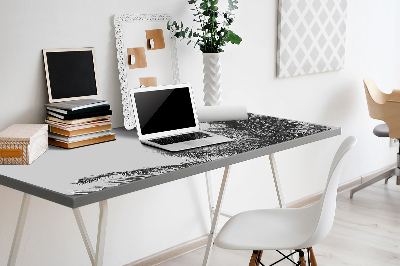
(137, 54)
(148, 82)
(155, 39)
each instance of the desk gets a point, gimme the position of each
(78, 177)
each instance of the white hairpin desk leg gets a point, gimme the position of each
(85, 236)
(95, 258)
(210, 194)
(277, 182)
(101, 233)
(216, 217)
(19, 229)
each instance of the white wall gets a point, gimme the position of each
(148, 221)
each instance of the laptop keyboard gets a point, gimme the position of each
(180, 138)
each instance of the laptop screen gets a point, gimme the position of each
(164, 110)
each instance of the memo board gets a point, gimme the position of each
(150, 61)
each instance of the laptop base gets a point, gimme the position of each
(191, 144)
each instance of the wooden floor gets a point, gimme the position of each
(366, 232)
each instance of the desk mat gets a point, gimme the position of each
(255, 133)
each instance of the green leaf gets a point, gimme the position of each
(204, 5)
(232, 5)
(213, 2)
(214, 8)
(233, 38)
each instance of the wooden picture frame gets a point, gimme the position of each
(54, 62)
(162, 64)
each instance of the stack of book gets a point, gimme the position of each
(79, 123)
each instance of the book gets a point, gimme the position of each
(81, 143)
(79, 111)
(79, 137)
(78, 121)
(79, 116)
(77, 104)
(70, 133)
(69, 127)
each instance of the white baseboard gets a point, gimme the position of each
(200, 242)
(172, 252)
(315, 197)
(369, 176)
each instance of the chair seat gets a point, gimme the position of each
(269, 229)
(381, 130)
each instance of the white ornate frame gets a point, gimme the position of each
(129, 121)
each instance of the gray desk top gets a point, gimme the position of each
(86, 175)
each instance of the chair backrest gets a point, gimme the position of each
(375, 99)
(379, 96)
(327, 203)
(382, 106)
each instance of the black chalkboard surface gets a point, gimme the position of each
(70, 73)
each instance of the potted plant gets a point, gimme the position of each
(212, 35)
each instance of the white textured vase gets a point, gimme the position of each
(212, 75)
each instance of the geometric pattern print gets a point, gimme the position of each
(22, 145)
(311, 36)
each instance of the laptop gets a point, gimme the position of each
(166, 118)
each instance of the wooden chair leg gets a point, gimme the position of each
(313, 260)
(302, 259)
(254, 261)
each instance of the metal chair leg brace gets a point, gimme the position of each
(301, 256)
(385, 175)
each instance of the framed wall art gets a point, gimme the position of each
(146, 53)
(311, 36)
(70, 74)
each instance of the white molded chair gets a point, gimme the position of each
(287, 229)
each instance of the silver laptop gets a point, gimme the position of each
(166, 118)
